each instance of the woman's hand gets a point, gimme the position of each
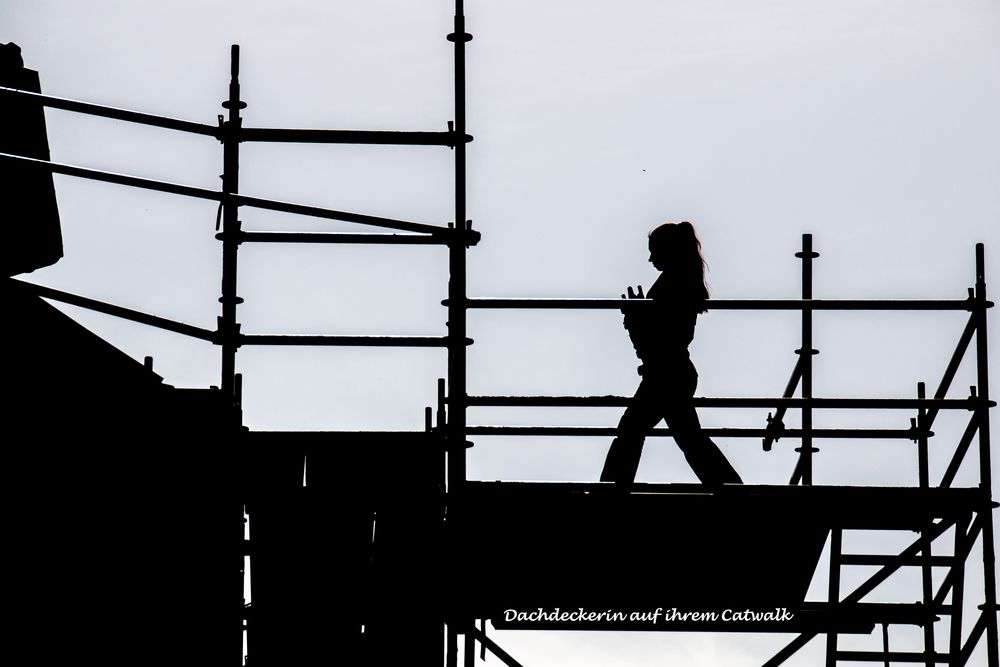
(631, 295)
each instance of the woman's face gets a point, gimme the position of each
(658, 256)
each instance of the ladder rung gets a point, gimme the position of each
(892, 656)
(881, 560)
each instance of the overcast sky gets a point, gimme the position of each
(871, 124)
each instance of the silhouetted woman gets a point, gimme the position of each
(660, 334)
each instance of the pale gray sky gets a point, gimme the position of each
(870, 123)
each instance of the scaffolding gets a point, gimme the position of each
(471, 520)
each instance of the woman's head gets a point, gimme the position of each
(675, 249)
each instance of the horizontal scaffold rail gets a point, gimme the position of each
(350, 341)
(373, 137)
(450, 234)
(738, 402)
(337, 237)
(607, 431)
(116, 311)
(112, 112)
(887, 499)
(216, 337)
(483, 303)
(246, 134)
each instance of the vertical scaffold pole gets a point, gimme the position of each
(456, 311)
(227, 325)
(229, 328)
(923, 462)
(985, 479)
(926, 552)
(806, 354)
(958, 590)
(836, 549)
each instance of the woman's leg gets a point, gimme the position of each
(704, 456)
(641, 415)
